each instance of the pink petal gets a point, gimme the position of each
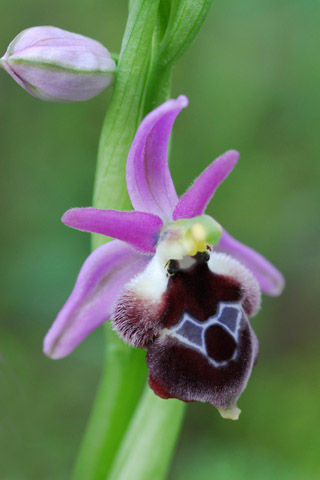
(149, 181)
(47, 36)
(139, 229)
(197, 197)
(91, 302)
(270, 279)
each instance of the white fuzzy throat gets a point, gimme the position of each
(222, 264)
(151, 283)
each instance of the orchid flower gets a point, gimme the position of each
(174, 281)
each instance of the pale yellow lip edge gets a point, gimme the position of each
(230, 413)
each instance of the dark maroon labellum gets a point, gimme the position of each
(207, 347)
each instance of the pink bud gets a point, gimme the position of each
(58, 66)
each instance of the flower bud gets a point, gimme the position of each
(58, 66)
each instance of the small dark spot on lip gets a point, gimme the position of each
(220, 344)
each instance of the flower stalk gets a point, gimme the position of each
(125, 440)
(124, 365)
(152, 423)
(125, 371)
(119, 391)
(132, 434)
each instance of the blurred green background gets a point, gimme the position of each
(252, 78)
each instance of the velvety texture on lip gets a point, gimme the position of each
(200, 344)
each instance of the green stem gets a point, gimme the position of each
(186, 19)
(158, 87)
(125, 367)
(147, 448)
(120, 389)
(179, 21)
(122, 440)
(159, 83)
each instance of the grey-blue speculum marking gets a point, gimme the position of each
(192, 332)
